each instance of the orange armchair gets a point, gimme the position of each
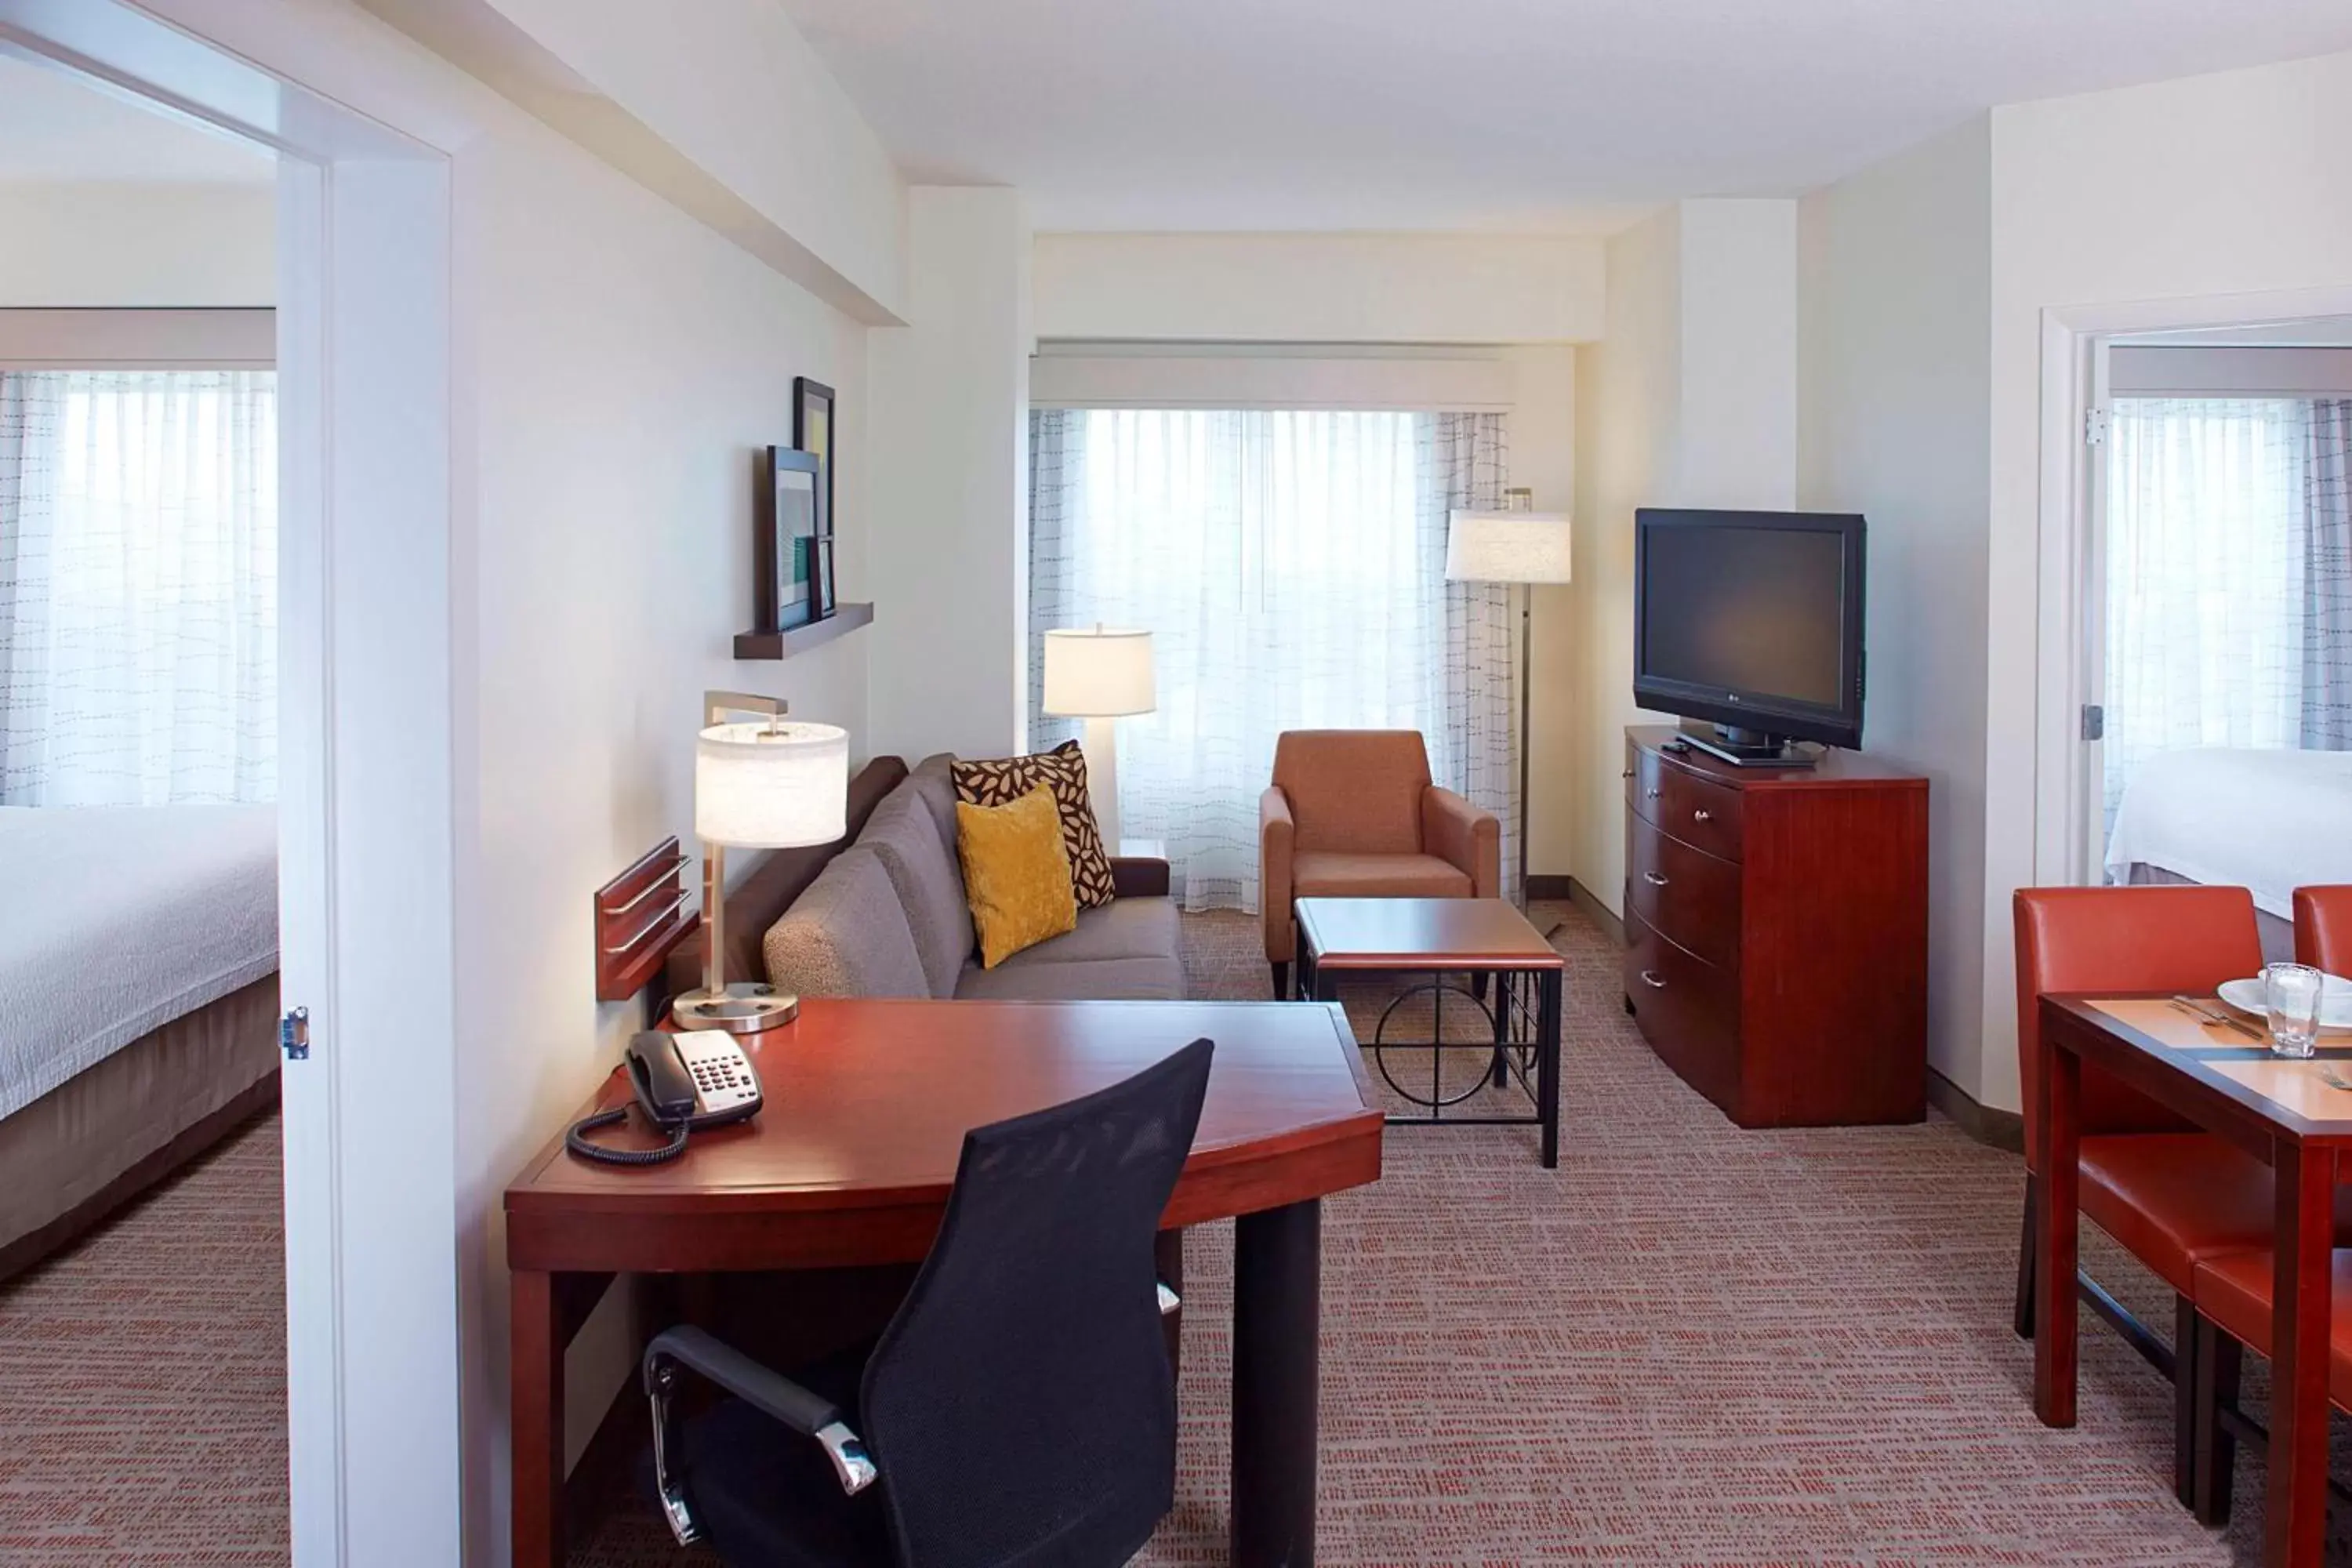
(2322, 928)
(1352, 814)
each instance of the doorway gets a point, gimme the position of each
(2212, 673)
(365, 808)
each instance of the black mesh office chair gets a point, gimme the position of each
(1018, 1409)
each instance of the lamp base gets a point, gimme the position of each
(745, 1007)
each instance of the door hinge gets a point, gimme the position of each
(294, 1034)
(2094, 721)
(2095, 426)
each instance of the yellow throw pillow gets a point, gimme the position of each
(1016, 875)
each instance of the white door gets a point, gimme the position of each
(2090, 835)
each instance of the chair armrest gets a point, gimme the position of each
(766, 1391)
(1468, 839)
(1138, 877)
(1276, 833)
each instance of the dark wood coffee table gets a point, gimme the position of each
(1452, 941)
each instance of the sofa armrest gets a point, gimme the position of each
(1465, 837)
(1138, 877)
(1276, 834)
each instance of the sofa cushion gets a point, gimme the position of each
(1329, 874)
(846, 936)
(934, 782)
(1016, 873)
(1098, 979)
(1125, 928)
(998, 780)
(929, 885)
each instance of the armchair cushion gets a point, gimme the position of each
(1354, 791)
(1322, 873)
(1464, 838)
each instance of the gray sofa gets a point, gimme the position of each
(886, 917)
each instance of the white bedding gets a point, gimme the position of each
(113, 921)
(2271, 821)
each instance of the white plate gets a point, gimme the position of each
(2335, 1001)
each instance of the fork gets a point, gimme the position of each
(2332, 1079)
(2191, 1004)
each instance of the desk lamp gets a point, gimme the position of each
(765, 785)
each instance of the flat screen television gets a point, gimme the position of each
(1748, 625)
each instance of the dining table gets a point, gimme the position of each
(2196, 1058)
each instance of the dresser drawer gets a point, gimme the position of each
(1686, 895)
(1695, 810)
(1687, 1010)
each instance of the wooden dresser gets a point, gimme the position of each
(1776, 922)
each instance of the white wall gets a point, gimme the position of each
(733, 88)
(1628, 430)
(1689, 399)
(91, 245)
(951, 403)
(2215, 185)
(1333, 288)
(614, 368)
(1896, 374)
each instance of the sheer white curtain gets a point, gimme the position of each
(2207, 528)
(137, 588)
(1290, 566)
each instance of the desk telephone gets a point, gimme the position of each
(700, 1078)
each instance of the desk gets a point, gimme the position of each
(850, 1164)
(2280, 1110)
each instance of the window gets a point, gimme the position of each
(1290, 566)
(137, 588)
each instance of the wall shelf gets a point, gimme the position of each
(846, 618)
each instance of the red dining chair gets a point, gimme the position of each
(2322, 928)
(2170, 1194)
(2233, 1293)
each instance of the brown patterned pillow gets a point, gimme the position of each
(1003, 780)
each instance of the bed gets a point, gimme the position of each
(138, 1004)
(2271, 821)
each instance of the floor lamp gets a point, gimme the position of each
(1101, 674)
(1522, 547)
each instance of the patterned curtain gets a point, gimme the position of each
(137, 588)
(1290, 566)
(2327, 581)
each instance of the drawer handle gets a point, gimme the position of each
(1652, 792)
(1626, 774)
(1650, 978)
(1654, 879)
(1702, 815)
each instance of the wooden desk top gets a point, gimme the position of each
(1382, 934)
(2264, 1096)
(867, 1103)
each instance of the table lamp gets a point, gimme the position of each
(1099, 675)
(1518, 547)
(761, 785)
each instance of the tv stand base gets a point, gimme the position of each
(1745, 748)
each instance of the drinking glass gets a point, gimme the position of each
(2291, 996)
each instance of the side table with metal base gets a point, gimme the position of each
(1479, 954)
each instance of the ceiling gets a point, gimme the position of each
(54, 127)
(1530, 116)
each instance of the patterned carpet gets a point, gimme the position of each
(1688, 1345)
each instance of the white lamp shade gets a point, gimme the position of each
(1095, 673)
(763, 786)
(1507, 547)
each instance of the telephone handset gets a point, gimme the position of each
(699, 1079)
